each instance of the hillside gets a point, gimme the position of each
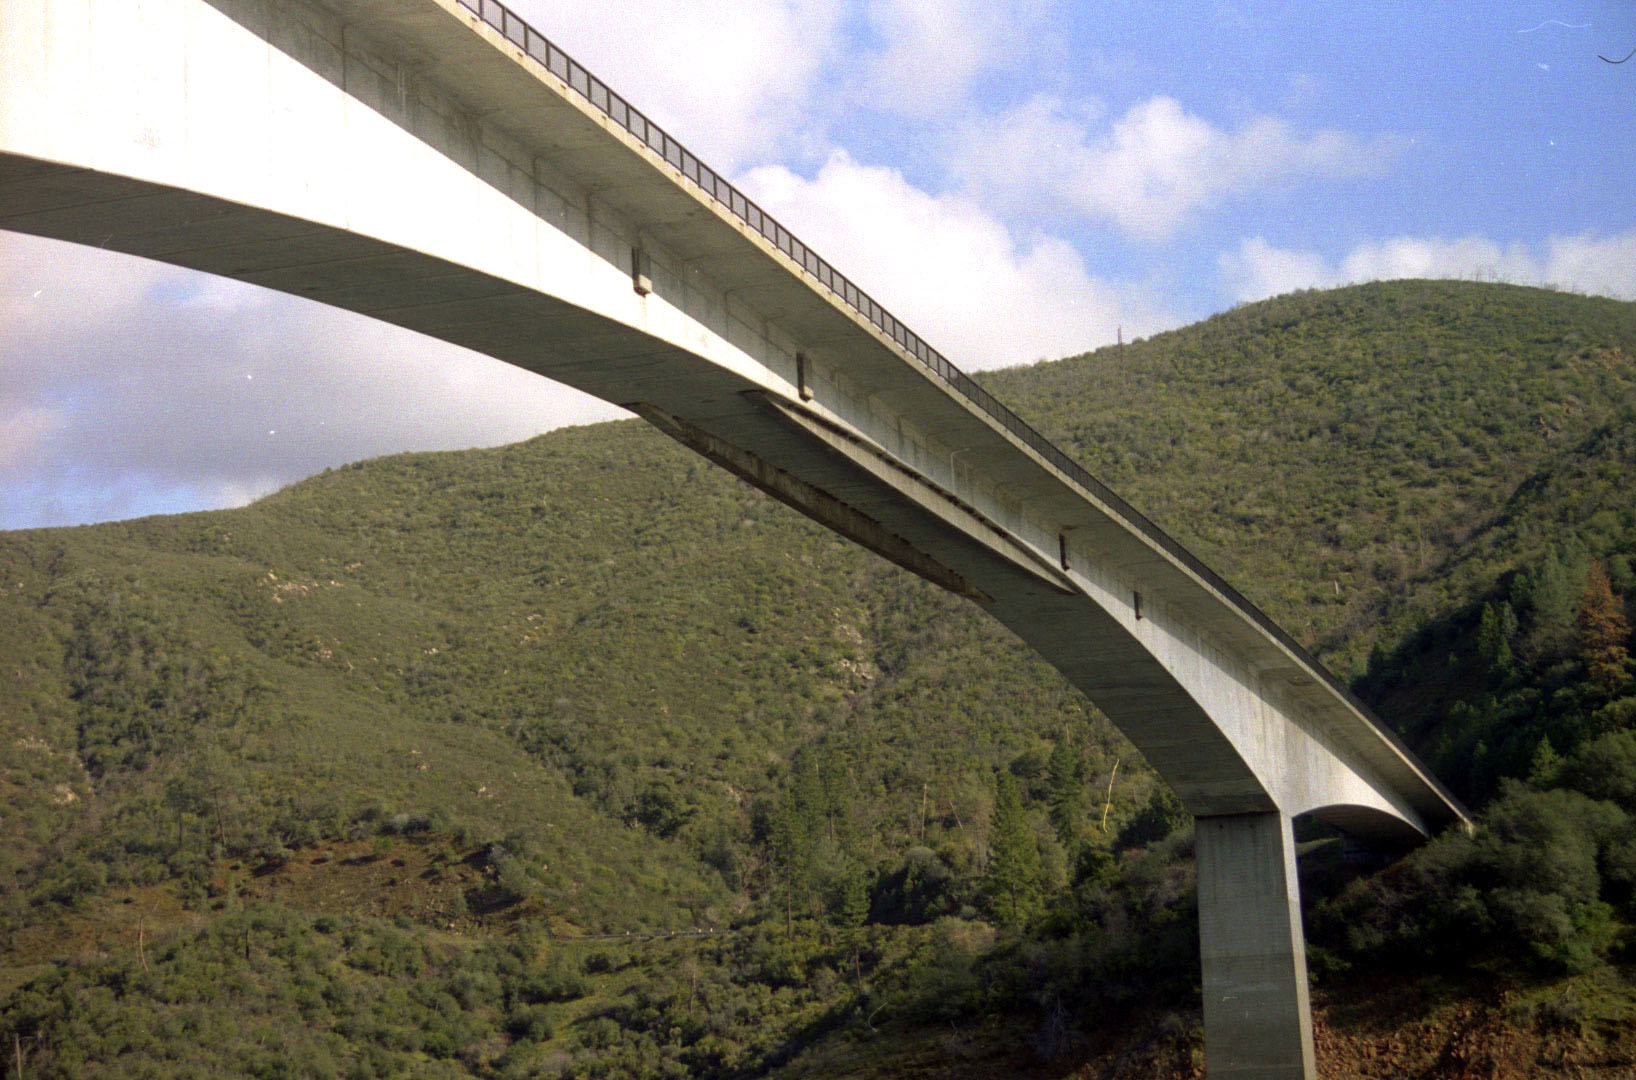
(1357, 437)
(392, 749)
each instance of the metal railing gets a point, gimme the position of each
(594, 90)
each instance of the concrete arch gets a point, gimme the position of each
(1367, 821)
(410, 161)
(497, 247)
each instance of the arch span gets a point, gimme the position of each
(415, 163)
(433, 164)
(1369, 822)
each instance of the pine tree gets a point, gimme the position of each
(835, 785)
(1548, 596)
(1604, 632)
(1544, 764)
(1494, 634)
(1066, 793)
(796, 825)
(850, 912)
(852, 899)
(1013, 879)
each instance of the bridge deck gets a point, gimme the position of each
(891, 415)
(686, 207)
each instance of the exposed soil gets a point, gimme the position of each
(1377, 1028)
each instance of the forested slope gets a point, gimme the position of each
(1327, 449)
(378, 756)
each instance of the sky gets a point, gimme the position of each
(1016, 179)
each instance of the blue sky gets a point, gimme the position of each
(1017, 179)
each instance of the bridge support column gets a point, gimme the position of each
(1257, 1021)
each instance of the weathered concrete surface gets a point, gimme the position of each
(1257, 1020)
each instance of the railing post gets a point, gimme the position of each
(1257, 1018)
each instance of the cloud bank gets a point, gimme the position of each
(955, 157)
(131, 387)
(927, 54)
(1604, 265)
(1153, 170)
(952, 270)
(735, 80)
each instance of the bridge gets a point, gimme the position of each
(442, 166)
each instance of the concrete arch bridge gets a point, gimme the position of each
(442, 166)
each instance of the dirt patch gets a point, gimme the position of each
(423, 880)
(1382, 1027)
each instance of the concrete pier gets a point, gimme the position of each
(1257, 1025)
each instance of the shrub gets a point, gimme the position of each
(1162, 815)
(531, 1022)
(556, 983)
(1528, 886)
(1605, 768)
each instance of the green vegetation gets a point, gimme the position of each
(588, 685)
(1332, 454)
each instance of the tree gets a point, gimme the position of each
(1066, 793)
(834, 782)
(1013, 878)
(1604, 632)
(182, 796)
(851, 907)
(850, 911)
(659, 808)
(1547, 596)
(790, 841)
(1544, 764)
(1494, 634)
(1163, 815)
(795, 827)
(214, 779)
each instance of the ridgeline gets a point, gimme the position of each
(419, 766)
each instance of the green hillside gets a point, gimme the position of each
(386, 757)
(1327, 450)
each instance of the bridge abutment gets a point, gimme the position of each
(1257, 1024)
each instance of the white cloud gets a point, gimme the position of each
(1258, 270)
(1604, 265)
(87, 496)
(950, 269)
(46, 290)
(729, 78)
(931, 51)
(1592, 263)
(243, 491)
(1472, 257)
(24, 429)
(742, 81)
(1151, 170)
(132, 387)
